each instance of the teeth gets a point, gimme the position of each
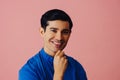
(57, 43)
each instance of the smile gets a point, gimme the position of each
(57, 44)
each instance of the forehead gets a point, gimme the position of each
(59, 24)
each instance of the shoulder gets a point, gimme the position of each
(73, 61)
(78, 68)
(29, 69)
(33, 60)
(31, 63)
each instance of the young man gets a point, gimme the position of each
(51, 63)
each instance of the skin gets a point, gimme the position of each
(55, 39)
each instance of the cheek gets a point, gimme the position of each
(48, 36)
(66, 38)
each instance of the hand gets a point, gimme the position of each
(60, 65)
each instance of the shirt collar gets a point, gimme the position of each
(46, 55)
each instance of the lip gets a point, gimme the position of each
(57, 44)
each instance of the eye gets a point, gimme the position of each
(53, 30)
(66, 32)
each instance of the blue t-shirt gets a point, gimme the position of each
(40, 67)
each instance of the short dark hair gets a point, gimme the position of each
(55, 14)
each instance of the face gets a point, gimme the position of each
(55, 36)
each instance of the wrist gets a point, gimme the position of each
(57, 76)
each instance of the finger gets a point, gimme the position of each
(58, 52)
(65, 57)
(61, 54)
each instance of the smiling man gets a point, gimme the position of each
(51, 63)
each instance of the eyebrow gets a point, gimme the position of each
(54, 28)
(57, 28)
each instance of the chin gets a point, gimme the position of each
(58, 49)
(55, 50)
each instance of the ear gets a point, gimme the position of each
(41, 30)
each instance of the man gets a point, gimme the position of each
(51, 63)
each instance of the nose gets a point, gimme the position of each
(58, 36)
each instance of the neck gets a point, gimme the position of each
(51, 53)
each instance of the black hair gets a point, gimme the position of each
(55, 14)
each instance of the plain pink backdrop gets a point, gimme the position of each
(95, 39)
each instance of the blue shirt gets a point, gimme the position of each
(40, 67)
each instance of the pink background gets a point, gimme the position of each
(95, 40)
